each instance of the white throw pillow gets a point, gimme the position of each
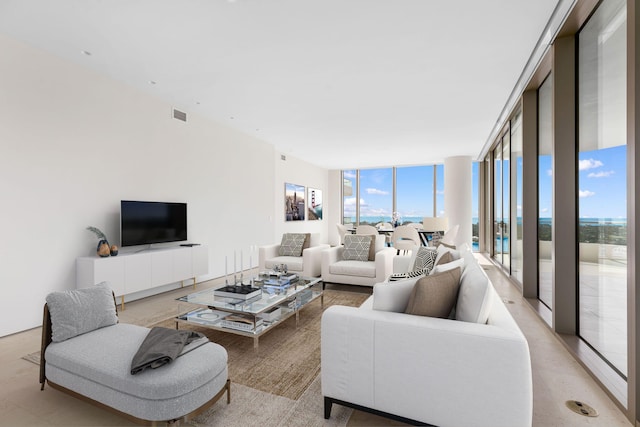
(393, 296)
(448, 266)
(474, 296)
(443, 250)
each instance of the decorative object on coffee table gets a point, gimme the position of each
(114, 250)
(104, 250)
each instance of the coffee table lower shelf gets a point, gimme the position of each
(189, 319)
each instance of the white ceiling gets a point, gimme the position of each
(338, 83)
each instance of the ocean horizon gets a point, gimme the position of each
(474, 220)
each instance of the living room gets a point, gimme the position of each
(78, 141)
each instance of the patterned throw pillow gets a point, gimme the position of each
(356, 247)
(291, 244)
(425, 259)
(410, 275)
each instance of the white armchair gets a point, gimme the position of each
(336, 269)
(306, 265)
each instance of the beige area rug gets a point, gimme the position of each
(287, 360)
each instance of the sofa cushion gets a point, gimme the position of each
(393, 296)
(424, 259)
(435, 295)
(356, 247)
(291, 244)
(293, 263)
(79, 311)
(474, 297)
(353, 268)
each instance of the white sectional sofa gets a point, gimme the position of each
(473, 369)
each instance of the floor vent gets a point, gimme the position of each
(581, 408)
(180, 115)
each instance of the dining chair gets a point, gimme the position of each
(366, 229)
(405, 238)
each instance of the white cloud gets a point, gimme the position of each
(519, 208)
(585, 193)
(349, 174)
(440, 192)
(601, 174)
(544, 210)
(583, 165)
(376, 191)
(549, 172)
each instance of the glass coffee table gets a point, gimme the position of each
(251, 317)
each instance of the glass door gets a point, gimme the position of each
(501, 188)
(497, 203)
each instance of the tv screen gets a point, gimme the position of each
(144, 223)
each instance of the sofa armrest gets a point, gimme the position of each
(384, 263)
(401, 264)
(439, 371)
(265, 253)
(312, 260)
(330, 256)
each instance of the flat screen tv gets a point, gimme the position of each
(144, 223)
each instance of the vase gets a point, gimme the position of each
(103, 248)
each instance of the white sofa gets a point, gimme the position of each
(444, 372)
(307, 265)
(335, 269)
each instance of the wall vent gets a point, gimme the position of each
(283, 157)
(180, 115)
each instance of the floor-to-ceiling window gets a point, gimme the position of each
(414, 193)
(369, 195)
(475, 206)
(440, 191)
(349, 198)
(516, 191)
(602, 200)
(545, 191)
(376, 195)
(501, 199)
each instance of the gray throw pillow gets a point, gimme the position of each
(436, 295)
(356, 247)
(292, 244)
(425, 259)
(80, 311)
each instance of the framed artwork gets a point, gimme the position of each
(314, 204)
(294, 206)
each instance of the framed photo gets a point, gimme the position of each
(314, 204)
(294, 206)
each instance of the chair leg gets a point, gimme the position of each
(327, 407)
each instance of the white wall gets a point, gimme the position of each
(294, 171)
(73, 144)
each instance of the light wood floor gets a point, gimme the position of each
(557, 377)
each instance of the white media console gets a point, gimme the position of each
(132, 272)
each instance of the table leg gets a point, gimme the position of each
(255, 343)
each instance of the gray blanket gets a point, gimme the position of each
(164, 345)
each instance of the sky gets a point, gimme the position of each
(602, 183)
(601, 188)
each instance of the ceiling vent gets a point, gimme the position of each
(180, 115)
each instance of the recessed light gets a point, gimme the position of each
(197, 102)
(151, 82)
(231, 117)
(86, 52)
